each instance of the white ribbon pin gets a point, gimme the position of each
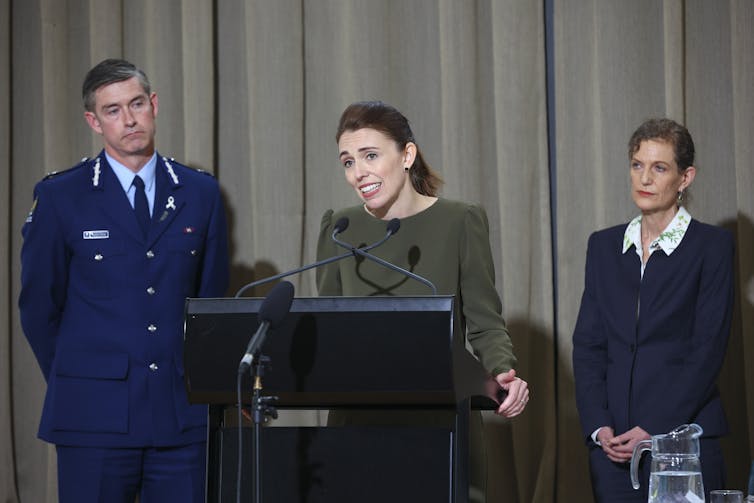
(171, 203)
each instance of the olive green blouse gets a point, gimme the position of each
(448, 243)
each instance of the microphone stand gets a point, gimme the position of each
(274, 308)
(263, 409)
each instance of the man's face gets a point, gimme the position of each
(125, 117)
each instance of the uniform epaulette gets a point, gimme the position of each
(202, 171)
(53, 174)
(198, 170)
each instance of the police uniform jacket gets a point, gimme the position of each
(102, 307)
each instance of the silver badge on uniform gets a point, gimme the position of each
(101, 234)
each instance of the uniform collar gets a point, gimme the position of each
(126, 176)
(170, 171)
(668, 240)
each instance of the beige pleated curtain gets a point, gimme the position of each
(252, 91)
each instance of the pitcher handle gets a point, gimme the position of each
(639, 448)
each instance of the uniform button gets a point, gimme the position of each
(152, 328)
(150, 254)
(153, 367)
(151, 290)
(193, 253)
(98, 257)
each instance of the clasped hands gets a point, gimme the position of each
(620, 448)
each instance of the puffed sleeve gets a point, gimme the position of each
(480, 301)
(328, 276)
(44, 277)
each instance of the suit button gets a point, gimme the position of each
(152, 328)
(98, 257)
(151, 290)
(150, 254)
(153, 367)
(193, 253)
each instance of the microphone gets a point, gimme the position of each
(340, 226)
(392, 227)
(274, 308)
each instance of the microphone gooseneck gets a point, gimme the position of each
(340, 226)
(392, 227)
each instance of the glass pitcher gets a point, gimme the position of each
(676, 472)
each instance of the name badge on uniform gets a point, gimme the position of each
(104, 234)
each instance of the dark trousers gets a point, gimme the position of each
(611, 482)
(117, 475)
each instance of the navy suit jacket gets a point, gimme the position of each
(647, 352)
(103, 307)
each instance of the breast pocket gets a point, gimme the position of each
(95, 266)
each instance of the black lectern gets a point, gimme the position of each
(349, 353)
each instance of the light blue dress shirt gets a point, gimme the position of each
(126, 179)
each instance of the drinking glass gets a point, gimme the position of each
(726, 496)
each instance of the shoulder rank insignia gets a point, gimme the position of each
(202, 171)
(53, 174)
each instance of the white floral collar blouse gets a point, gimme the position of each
(668, 240)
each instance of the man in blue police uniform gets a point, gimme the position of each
(112, 247)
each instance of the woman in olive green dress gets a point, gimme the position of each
(444, 241)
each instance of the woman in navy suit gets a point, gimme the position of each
(654, 320)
